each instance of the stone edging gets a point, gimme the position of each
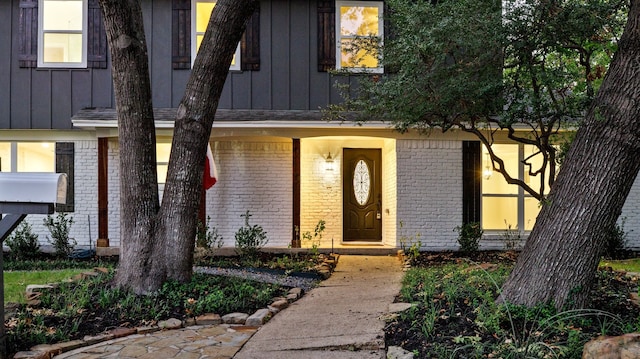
(261, 316)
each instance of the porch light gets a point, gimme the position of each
(329, 162)
(488, 170)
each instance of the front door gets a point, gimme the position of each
(362, 193)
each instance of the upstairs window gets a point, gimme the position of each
(359, 34)
(62, 39)
(61, 34)
(199, 22)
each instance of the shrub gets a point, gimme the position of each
(615, 241)
(250, 239)
(316, 238)
(469, 235)
(59, 229)
(208, 237)
(23, 243)
(410, 245)
(512, 238)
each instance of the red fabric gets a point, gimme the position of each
(210, 170)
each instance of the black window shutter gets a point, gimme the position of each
(181, 34)
(250, 44)
(28, 33)
(326, 35)
(65, 152)
(96, 38)
(471, 181)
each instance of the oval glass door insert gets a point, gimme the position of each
(361, 182)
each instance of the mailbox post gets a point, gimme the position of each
(23, 193)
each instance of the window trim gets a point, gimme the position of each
(195, 33)
(520, 195)
(41, 32)
(339, 37)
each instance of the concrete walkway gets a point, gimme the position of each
(339, 319)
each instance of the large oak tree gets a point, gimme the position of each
(560, 259)
(157, 240)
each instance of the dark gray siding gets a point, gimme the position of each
(6, 11)
(288, 78)
(43, 98)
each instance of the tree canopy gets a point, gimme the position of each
(530, 68)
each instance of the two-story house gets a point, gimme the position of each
(275, 155)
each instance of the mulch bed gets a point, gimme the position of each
(612, 294)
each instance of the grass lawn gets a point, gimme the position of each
(628, 265)
(15, 282)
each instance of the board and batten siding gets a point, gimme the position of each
(287, 79)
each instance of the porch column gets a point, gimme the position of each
(295, 242)
(103, 192)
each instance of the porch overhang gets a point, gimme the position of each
(106, 118)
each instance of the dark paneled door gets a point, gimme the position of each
(362, 193)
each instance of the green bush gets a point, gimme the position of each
(250, 239)
(23, 243)
(59, 228)
(316, 239)
(207, 237)
(469, 235)
(615, 241)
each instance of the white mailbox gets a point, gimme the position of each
(33, 187)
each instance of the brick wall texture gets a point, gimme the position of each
(422, 191)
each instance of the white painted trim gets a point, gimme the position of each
(194, 38)
(85, 25)
(380, 6)
(93, 124)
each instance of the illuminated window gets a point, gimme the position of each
(162, 157)
(200, 14)
(359, 35)
(36, 157)
(5, 157)
(504, 205)
(62, 39)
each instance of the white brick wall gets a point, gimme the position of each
(254, 176)
(389, 193)
(321, 190)
(430, 191)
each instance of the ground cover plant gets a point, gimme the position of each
(287, 263)
(90, 306)
(455, 315)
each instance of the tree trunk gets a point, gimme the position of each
(182, 191)
(157, 242)
(560, 259)
(136, 130)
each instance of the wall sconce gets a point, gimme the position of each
(329, 162)
(488, 170)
